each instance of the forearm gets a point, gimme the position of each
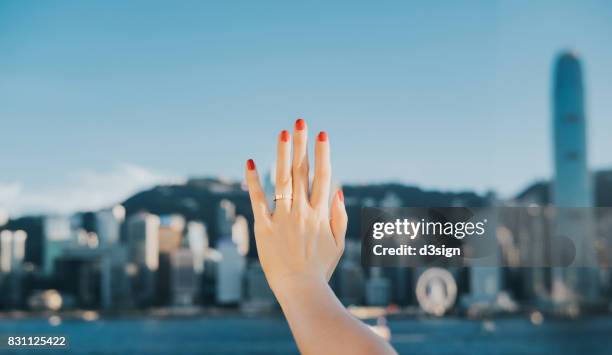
(321, 324)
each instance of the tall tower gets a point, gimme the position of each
(573, 242)
(572, 186)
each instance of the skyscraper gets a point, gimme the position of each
(6, 251)
(143, 240)
(12, 252)
(143, 250)
(183, 285)
(231, 266)
(108, 224)
(197, 238)
(19, 240)
(573, 240)
(57, 237)
(572, 185)
(171, 230)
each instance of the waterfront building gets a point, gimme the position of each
(57, 236)
(183, 283)
(108, 224)
(349, 279)
(575, 277)
(232, 263)
(378, 288)
(142, 232)
(170, 232)
(258, 295)
(197, 238)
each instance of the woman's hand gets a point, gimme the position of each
(299, 246)
(300, 239)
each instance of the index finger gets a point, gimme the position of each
(256, 194)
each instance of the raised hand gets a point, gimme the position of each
(299, 246)
(300, 238)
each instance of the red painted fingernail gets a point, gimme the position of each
(322, 137)
(341, 195)
(250, 164)
(284, 136)
(300, 124)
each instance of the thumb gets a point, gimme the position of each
(339, 219)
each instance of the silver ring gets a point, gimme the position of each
(283, 197)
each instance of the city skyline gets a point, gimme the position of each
(468, 208)
(470, 84)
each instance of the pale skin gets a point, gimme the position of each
(300, 244)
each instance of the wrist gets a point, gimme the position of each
(293, 286)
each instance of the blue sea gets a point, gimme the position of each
(236, 335)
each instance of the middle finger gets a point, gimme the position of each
(283, 172)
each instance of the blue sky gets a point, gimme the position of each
(102, 98)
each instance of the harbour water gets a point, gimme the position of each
(239, 335)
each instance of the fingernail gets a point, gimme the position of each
(300, 124)
(322, 137)
(284, 136)
(341, 195)
(250, 164)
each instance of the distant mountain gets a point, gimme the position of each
(199, 198)
(539, 192)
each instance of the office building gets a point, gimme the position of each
(378, 288)
(232, 263)
(6, 251)
(170, 232)
(258, 295)
(142, 232)
(197, 238)
(183, 278)
(57, 236)
(575, 278)
(349, 279)
(108, 224)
